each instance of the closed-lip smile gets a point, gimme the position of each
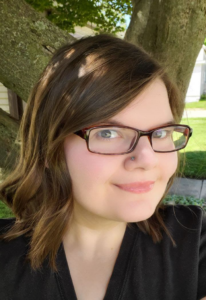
(137, 187)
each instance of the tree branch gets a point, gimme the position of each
(139, 19)
(34, 39)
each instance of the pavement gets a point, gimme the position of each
(189, 187)
(194, 113)
(186, 186)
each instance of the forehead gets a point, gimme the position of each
(149, 109)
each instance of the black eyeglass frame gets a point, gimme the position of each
(84, 133)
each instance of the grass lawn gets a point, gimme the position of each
(195, 152)
(5, 212)
(199, 104)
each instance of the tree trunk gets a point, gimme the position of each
(27, 41)
(172, 31)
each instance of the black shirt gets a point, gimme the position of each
(143, 270)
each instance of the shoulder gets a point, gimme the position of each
(13, 255)
(186, 224)
(191, 215)
(14, 248)
(184, 211)
(6, 224)
(182, 219)
(14, 268)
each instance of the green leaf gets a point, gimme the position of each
(184, 200)
(107, 15)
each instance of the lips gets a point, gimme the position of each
(137, 187)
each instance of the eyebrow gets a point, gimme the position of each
(113, 122)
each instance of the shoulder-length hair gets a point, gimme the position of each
(85, 82)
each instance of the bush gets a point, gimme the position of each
(203, 97)
(184, 200)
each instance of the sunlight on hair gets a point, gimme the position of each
(69, 53)
(92, 63)
(49, 71)
(82, 71)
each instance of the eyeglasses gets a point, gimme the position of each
(116, 140)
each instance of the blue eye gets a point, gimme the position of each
(161, 133)
(107, 133)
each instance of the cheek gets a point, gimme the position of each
(90, 175)
(169, 162)
(86, 169)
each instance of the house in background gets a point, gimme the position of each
(4, 103)
(197, 86)
(13, 105)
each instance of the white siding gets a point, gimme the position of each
(197, 84)
(4, 103)
(88, 31)
(193, 92)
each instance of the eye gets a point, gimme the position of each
(107, 133)
(161, 133)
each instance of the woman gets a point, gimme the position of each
(99, 142)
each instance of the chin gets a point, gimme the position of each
(139, 214)
(139, 218)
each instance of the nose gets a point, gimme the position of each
(145, 157)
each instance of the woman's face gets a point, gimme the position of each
(95, 176)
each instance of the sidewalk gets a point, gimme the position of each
(189, 187)
(194, 113)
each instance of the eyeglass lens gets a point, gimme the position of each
(114, 140)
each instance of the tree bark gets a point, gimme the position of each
(172, 31)
(27, 41)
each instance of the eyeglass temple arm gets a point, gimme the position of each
(80, 133)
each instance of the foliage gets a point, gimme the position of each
(203, 97)
(184, 200)
(107, 16)
(205, 42)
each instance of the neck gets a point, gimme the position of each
(92, 235)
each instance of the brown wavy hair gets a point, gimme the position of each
(85, 82)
